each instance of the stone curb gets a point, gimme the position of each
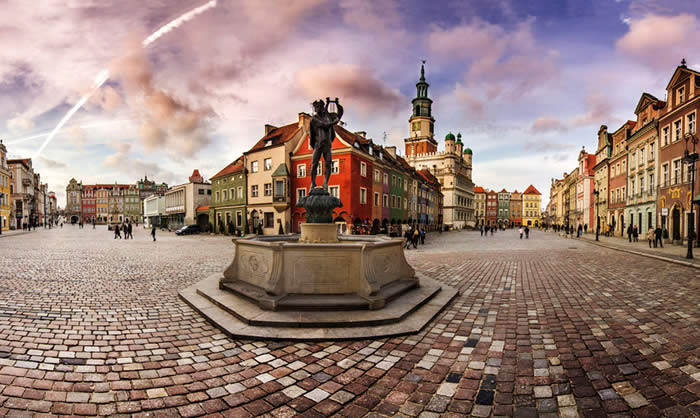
(658, 257)
(14, 233)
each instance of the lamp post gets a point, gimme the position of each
(690, 159)
(597, 219)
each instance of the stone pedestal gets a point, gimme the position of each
(318, 233)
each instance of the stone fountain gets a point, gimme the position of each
(318, 285)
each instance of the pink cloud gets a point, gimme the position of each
(354, 83)
(547, 124)
(660, 41)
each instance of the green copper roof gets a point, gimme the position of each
(281, 171)
(468, 151)
(449, 136)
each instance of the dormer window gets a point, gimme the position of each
(356, 145)
(268, 142)
(681, 95)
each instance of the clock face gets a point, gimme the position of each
(416, 126)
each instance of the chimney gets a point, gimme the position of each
(391, 150)
(269, 128)
(305, 121)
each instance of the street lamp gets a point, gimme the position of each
(597, 218)
(690, 159)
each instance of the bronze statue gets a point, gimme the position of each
(321, 137)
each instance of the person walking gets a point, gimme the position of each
(481, 230)
(117, 234)
(492, 228)
(629, 233)
(579, 231)
(153, 232)
(521, 232)
(527, 232)
(422, 236)
(657, 235)
(130, 230)
(585, 228)
(635, 234)
(650, 237)
(415, 238)
(408, 236)
(125, 231)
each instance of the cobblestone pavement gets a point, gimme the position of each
(546, 326)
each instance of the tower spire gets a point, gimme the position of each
(422, 71)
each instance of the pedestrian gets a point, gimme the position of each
(657, 233)
(650, 237)
(422, 236)
(579, 231)
(130, 230)
(416, 234)
(585, 228)
(481, 230)
(629, 233)
(492, 228)
(635, 234)
(117, 234)
(153, 232)
(408, 235)
(61, 225)
(521, 232)
(527, 232)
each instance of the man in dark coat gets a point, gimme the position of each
(657, 237)
(629, 233)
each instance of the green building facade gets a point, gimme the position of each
(227, 211)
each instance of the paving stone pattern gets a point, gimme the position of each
(544, 327)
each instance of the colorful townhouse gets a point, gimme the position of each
(5, 192)
(516, 209)
(531, 206)
(227, 210)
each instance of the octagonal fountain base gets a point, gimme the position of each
(284, 287)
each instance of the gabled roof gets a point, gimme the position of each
(531, 190)
(677, 74)
(234, 167)
(276, 136)
(503, 191)
(479, 189)
(644, 101)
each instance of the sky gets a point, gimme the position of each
(527, 83)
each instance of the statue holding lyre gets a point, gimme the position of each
(321, 137)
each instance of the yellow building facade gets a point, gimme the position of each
(531, 206)
(4, 189)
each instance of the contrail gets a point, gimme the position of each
(103, 76)
(44, 134)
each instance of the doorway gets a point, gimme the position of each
(676, 219)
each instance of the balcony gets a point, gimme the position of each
(26, 182)
(280, 203)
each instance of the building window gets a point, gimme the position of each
(664, 172)
(651, 152)
(335, 167)
(319, 169)
(676, 171)
(267, 163)
(691, 123)
(677, 127)
(666, 135)
(269, 219)
(376, 199)
(651, 183)
(253, 166)
(239, 219)
(386, 178)
(334, 191)
(385, 200)
(363, 169)
(223, 195)
(363, 195)
(376, 176)
(254, 191)
(301, 193)
(268, 189)
(201, 191)
(301, 170)
(240, 192)
(681, 95)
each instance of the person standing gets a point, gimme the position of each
(521, 232)
(585, 228)
(629, 233)
(130, 229)
(422, 236)
(635, 234)
(579, 231)
(125, 231)
(657, 235)
(650, 237)
(116, 232)
(153, 232)
(408, 234)
(415, 238)
(481, 230)
(527, 232)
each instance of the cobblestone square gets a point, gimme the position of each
(547, 326)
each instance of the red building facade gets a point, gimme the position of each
(88, 204)
(491, 207)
